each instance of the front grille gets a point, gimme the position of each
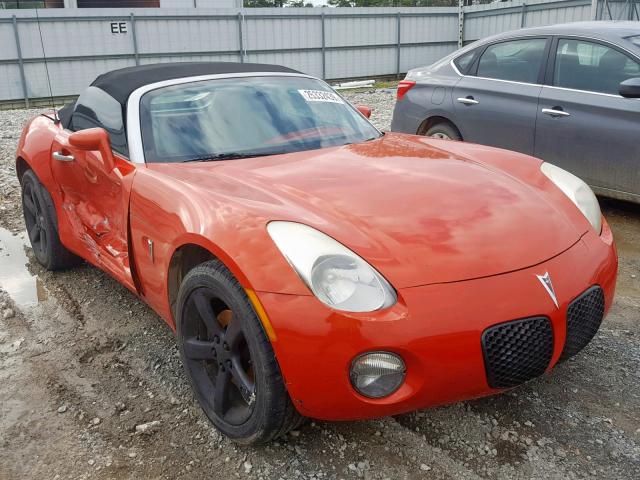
(517, 351)
(584, 317)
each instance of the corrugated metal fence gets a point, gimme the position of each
(328, 43)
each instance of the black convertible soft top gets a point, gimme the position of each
(121, 83)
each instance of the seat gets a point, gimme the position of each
(567, 71)
(611, 72)
(488, 65)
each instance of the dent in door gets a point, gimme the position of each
(96, 205)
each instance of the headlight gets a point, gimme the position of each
(377, 374)
(336, 276)
(578, 191)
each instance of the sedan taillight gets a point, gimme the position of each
(403, 87)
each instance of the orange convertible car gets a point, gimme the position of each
(311, 265)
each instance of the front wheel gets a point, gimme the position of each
(228, 358)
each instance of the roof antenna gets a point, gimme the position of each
(56, 120)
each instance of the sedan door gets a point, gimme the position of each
(496, 103)
(584, 125)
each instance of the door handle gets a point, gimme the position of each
(469, 100)
(61, 157)
(555, 112)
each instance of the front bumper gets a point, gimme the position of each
(436, 329)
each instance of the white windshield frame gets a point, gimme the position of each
(134, 129)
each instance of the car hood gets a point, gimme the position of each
(417, 212)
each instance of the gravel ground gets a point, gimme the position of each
(91, 387)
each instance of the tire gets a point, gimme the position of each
(228, 358)
(42, 225)
(444, 131)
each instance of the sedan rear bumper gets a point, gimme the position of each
(437, 329)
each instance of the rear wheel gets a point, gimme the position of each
(228, 358)
(444, 131)
(42, 227)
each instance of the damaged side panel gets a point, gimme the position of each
(94, 206)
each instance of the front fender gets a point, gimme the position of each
(171, 213)
(34, 148)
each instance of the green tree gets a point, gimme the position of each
(299, 4)
(351, 3)
(263, 3)
(392, 3)
(276, 3)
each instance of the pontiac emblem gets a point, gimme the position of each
(545, 280)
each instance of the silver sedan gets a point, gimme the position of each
(567, 94)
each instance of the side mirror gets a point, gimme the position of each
(93, 139)
(630, 88)
(366, 111)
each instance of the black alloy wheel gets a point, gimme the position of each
(228, 358)
(218, 357)
(42, 225)
(34, 219)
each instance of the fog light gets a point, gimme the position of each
(377, 374)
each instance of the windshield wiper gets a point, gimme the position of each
(233, 156)
(221, 156)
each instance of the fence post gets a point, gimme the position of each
(134, 39)
(606, 4)
(240, 35)
(398, 44)
(523, 16)
(23, 79)
(324, 49)
(460, 23)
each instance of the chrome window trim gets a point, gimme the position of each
(507, 81)
(134, 131)
(494, 79)
(558, 35)
(583, 91)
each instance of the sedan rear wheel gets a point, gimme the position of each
(444, 131)
(228, 358)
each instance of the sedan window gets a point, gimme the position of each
(516, 60)
(464, 61)
(590, 66)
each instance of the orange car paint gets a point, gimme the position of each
(459, 230)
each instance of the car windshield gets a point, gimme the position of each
(245, 117)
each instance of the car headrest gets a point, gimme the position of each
(568, 60)
(488, 60)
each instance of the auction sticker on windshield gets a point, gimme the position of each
(320, 96)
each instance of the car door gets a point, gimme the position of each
(584, 125)
(95, 201)
(496, 103)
